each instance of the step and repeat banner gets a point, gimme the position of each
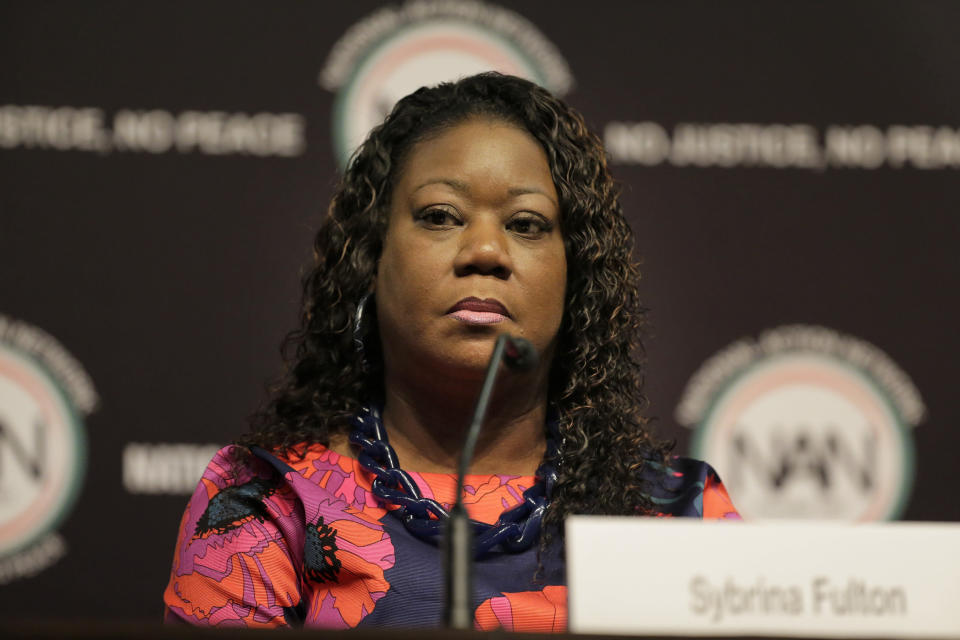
(791, 172)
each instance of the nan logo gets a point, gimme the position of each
(806, 422)
(399, 49)
(44, 394)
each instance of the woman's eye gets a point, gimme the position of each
(530, 226)
(438, 218)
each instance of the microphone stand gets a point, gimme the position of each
(458, 542)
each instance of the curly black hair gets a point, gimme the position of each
(596, 380)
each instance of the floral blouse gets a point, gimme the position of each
(305, 542)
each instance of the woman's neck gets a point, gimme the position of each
(427, 428)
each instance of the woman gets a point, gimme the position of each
(477, 208)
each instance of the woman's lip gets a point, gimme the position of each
(477, 317)
(487, 306)
(476, 311)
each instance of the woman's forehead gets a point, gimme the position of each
(475, 150)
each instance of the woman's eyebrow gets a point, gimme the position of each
(520, 191)
(461, 187)
(456, 185)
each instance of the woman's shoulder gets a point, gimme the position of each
(686, 487)
(253, 473)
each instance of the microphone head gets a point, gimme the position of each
(519, 354)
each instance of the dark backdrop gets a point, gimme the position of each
(172, 276)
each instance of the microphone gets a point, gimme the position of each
(519, 355)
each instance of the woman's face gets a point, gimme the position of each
(473, 249)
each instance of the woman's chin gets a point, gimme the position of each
(468, 364)
(447, 357)
(461, 362)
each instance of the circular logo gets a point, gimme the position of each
(806, 423)
(44, 391)
(42, 451)
(398, 50)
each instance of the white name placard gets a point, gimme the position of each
(656, 575)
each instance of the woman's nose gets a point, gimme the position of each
(483, 250)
